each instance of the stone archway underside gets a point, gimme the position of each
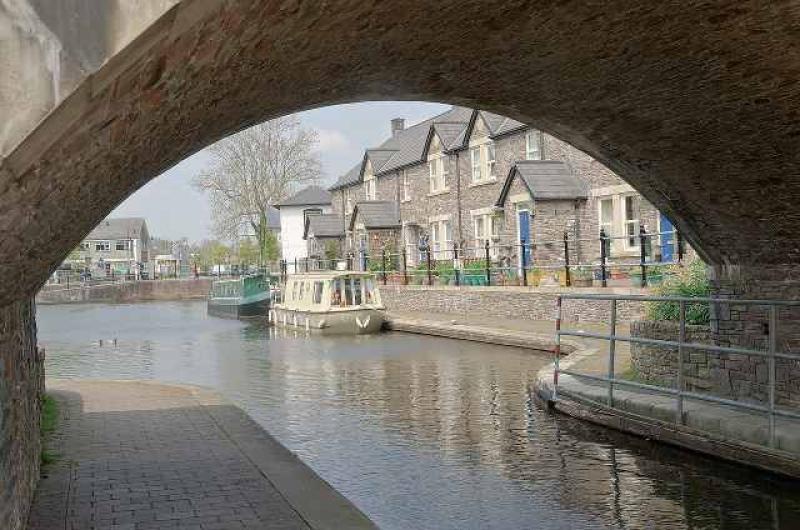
(696, 105)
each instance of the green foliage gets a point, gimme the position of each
(248, 253)
(270, 246)
(331, 250)
(687, 281)
(49, 420)
(212, 253)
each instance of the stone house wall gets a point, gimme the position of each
(462, 198)
(21, 390)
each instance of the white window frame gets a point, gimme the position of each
(102, 246)
(370, 188)
(437, 170)
(126, 244)
(477, 166)
(441, 238)
(490, 223)
(405, 185)
(530, 152)
(491, 160)
(633, 222)
(483, 161)
(608, 225)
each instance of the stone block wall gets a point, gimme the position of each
(21, 388)
(728, 375)
(126, 292)
(512, 302)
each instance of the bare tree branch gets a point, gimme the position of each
(256, 168)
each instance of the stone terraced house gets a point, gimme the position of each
(467, 177)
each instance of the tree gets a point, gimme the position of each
(248, 252)
(254, 169)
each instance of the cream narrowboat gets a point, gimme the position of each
(335, 302)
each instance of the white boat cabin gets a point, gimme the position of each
(331, 291)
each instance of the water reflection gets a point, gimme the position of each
(421, 432)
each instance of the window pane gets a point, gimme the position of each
(348, 292)
(318, 292)
(357, 291)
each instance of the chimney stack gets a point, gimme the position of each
(398, 124)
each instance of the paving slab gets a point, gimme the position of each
(138, 455)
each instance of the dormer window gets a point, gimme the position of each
(533, 145)
(482, 160)
(437, 169)
(370, 189)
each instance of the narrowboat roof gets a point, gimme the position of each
(328, 275)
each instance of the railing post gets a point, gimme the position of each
(567, 278)
(681, 340)
(456, 264)
(364, 261)
(383, 264)
(487, 264)
(295, 265)
(773, 343)
(643, 254)
(524, 262)
(428, 258)
(405, 266)
(557, 349)
(603, 256)
(612, 346)
(679, 240)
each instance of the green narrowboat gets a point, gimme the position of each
(245, 297)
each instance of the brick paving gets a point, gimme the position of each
(140, 456)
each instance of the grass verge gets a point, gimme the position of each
(49, 421)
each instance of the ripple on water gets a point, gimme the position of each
(420, 432)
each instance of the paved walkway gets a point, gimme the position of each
(138, 456)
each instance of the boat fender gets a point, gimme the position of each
(321, 323)
(294, 320)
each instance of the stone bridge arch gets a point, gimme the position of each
(694, 105)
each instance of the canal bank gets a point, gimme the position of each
(125, 292)
(134, 454)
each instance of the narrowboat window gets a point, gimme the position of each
(302, 289)
(368, 288)
(337, 292)
(318, 292)
(357, 291)
(294, 291)
(348, 293)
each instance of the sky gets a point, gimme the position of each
(344, 132)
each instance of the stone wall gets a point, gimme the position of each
(729, 375)
(658, 365)
(127, 292)
(513, 302)
(21, 387)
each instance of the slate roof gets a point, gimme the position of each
(349, 178)
(324, 225)
(376, 214)
(545, 180)
(120, 228)
(409, 145)
(309, 195)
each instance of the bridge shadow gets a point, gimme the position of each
(139, 455)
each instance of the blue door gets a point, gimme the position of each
(667, 239)
(524, 217)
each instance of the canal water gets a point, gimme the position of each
(420, 432)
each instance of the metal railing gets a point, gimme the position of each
(681, 345)
(505, 261)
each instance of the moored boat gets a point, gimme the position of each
(331, 302)
(245, 297)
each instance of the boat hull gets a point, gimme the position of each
(353, 322)
(238, 308)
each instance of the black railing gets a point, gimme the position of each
(496, 262)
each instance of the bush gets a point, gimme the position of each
(686, 281)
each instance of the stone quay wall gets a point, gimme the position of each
(527, 303)
(21, 388)
(728, 375)
(126, 292)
